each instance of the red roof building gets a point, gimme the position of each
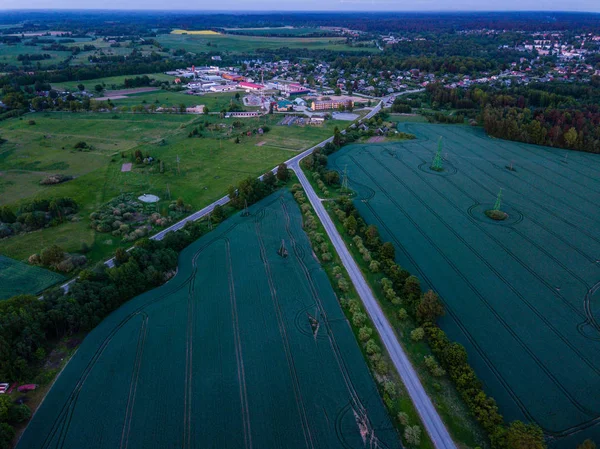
(251, 86)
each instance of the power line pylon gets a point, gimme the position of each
(437, 163)
(498, 203)
(345, 188)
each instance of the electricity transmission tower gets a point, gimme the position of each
(345, 188)
(498, 203)
(437, 163)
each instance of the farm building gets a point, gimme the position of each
(225, 88)
(251, 86)
(322, 105)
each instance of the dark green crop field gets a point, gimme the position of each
(242, 348)
(521, 294)
(18, 278)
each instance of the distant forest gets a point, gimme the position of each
(148, 23)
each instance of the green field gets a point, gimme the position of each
(207, 166)
(280, 31)
(222, 356)
(17, 278)
(247, 44)
(521, 294)
(111, 82)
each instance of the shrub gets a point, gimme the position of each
(358, 319)
(432, 365)
(417, 334)
(374, 266)
(403, 418)
(372, 347)
(365, 333)
(52, 255)
(412, 435)
(402, 314)
(390, 388)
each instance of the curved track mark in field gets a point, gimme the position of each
(483, 300)
(530, 218)
(356, 402)
(508, 187)
(492, 309)
(238, 351)
(483, 230)
(588, 316)
(62, 422)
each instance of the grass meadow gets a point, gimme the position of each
(207, 166)
(247, 44)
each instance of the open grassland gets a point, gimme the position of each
(521, 294)
(214, 102)
(111, 82)
(9, 55)
(246, 44)
(223, 355)
(17, 278)
(207, 166)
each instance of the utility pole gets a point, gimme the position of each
(246, 212)
(178, 170)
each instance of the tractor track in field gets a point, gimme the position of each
(62, 422)
(533, 220)
(134, 383)
(308, 438)
(491, 267)
(357, 405)
(587, 315)
(554, 160)
(554, 214)
(481, 298)
(238, 351)
(523, 167)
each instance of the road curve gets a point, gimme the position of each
(431, 419)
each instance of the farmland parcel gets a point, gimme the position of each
(242, 348)
(522, 294)
(18, 278)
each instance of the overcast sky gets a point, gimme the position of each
(313, 5)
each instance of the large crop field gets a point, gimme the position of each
(17, 278)
(521, 294)
(224, 355)
(197, 43)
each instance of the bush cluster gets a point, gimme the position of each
(36, 214)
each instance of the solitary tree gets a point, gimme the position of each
(282, 172)
(430, 307)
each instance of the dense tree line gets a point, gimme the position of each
(557, 115)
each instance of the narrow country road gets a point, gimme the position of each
(429, 415)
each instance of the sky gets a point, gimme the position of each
(312, 5)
